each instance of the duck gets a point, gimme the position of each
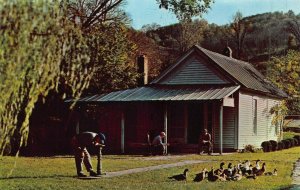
(229, 170)
(211, 175)
(274, 173)
(220, 170)
(201, 176)
(257, 166)
(244, 166)
(238, 167)
(236, 175)
(249, 171)
(261, 171)
(181, 177)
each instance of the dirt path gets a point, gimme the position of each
(150, 168)
(296, 176)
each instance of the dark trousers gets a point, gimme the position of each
(82, 156)
(207, 146)
(158, 149)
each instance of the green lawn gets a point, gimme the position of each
(58, 172)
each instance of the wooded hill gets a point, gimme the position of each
(261, 36)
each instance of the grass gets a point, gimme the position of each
(58, 172)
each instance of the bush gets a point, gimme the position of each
(287, 143)
(249, 148)
(280, 145)
(296, 142)
(267, 146)
(298, 138)
(292, 142)
(274, 145)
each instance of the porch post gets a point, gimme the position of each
(221, 128)
(166, 126)
(185, 123)
(122, 132)
(77, 127)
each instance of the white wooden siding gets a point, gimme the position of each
(264, 130)
(194, 71)
(228, 128)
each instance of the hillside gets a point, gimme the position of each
(267, 36)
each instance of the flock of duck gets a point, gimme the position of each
(231, 173)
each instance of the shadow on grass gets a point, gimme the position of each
(291, 187)
(36, 177)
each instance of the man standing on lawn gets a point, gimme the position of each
(79, 143)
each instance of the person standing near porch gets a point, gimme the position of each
(158, 146)
(205, 142)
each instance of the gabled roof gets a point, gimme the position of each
(241, 72)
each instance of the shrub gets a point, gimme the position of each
(296, 142)
(287, 143)
(249, 148)
(298, 138)
(280, 145)
(274, 145)
(266, 145)
(292, 142)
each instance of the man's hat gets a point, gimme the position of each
(102, 138)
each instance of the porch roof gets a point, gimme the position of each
(162, 93)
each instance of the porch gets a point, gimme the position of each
(127, 116)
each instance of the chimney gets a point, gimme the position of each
(142, 69)
(227, 51)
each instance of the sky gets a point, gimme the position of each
(144, 12)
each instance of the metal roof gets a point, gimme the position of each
(242, 72)
(162, 93)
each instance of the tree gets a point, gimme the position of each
(292, 43)
(113, 57)
(39, 50)
(91, 12)
(279, 112)
(294, 29)
(149, 27)
(191, 33)
(94, 12)
(104, 25)
(237, 32)
(284, 71)
(148, 46)
(186, 9)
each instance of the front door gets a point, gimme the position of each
(195, 122)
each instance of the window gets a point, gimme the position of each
(254, 109)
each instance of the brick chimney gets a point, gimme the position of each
(227, 51)
(142, 69)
